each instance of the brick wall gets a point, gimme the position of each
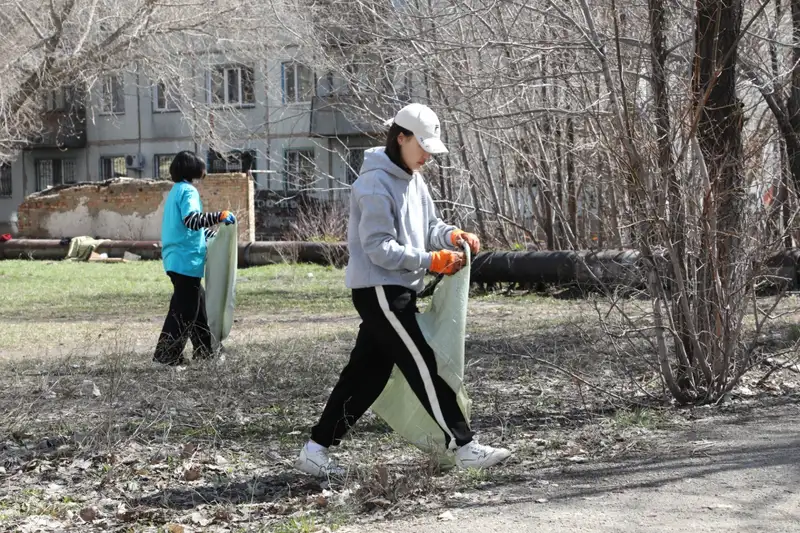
(128, 209)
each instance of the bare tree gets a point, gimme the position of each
(575, 124)
(53, 44)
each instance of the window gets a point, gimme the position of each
(399, 86)
(235, 161)
(232, 85)
(162, 164)
(358, 75)
(164, 100)
(5, 180)
(327, 85)
(298, 83)
(52, 172)
(68, 173)
(113, 167)
(355, 158)
(299, 169)
(113, 95)
(54, 100)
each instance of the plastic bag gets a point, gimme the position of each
(221, 262)
(443, 324)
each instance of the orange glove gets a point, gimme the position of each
(458, 236)
(446, 262)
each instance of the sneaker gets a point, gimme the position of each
(474, 455)
(318, 463)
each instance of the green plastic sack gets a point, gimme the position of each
(443, 324)
(221, 261)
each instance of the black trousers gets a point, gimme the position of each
(389, 335)
(185, 320)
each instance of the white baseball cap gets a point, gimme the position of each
(423, 123)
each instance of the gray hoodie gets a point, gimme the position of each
(392, 227)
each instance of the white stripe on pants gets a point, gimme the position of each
(424, 371)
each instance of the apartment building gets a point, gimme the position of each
(294, 136)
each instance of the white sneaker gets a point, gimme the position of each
(318, 463)
(474, 455)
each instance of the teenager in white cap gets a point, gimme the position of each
(394, 236)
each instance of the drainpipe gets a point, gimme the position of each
(139, 112)
(268, 130)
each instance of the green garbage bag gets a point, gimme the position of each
(222, 257)
(443, 324)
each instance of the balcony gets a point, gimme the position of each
(337, 116)
(63, 123)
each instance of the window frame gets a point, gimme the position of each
(55, 101)
(349, 170)
(58, 172)
(295, 66)
(225, 85)
(111, 158)
(113, 85)
(286, 169)
(170, 103)
(213, 155)
(6, 181)
(157, 166)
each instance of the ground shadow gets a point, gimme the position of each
(261, 489)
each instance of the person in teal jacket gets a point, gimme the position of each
(185, 229)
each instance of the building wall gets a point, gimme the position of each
(269, 128)
(128, 209)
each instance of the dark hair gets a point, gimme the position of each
(393, 147)
(186, 166)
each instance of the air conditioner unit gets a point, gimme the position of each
(136, 162)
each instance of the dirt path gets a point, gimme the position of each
(736, 474)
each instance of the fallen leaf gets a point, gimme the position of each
(192, 474)
(223, 514)
(188, 449)
(383, 476)
(95, 390)
(322, 501)
(199, 519)
(82, 464)
(541, 500)
(220, 460)
(447, 516)
(175, 528)
(577, 459)
(88, 514)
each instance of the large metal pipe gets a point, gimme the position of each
(273, 252)
(612, 268)
(250, 254)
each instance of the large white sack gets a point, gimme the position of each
(221, 261)
(444, 326)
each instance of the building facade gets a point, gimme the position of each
(294, 139)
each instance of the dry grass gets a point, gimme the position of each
(92, 431)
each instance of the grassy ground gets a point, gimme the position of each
(92, 432)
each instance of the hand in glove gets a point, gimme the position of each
(459, 236)
(446, 262)
(227, 218)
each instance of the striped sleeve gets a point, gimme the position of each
(195, 221)
(210, 233)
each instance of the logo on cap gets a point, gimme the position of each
(436, 129)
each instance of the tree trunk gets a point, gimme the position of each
(572, 189)
(719, 138)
